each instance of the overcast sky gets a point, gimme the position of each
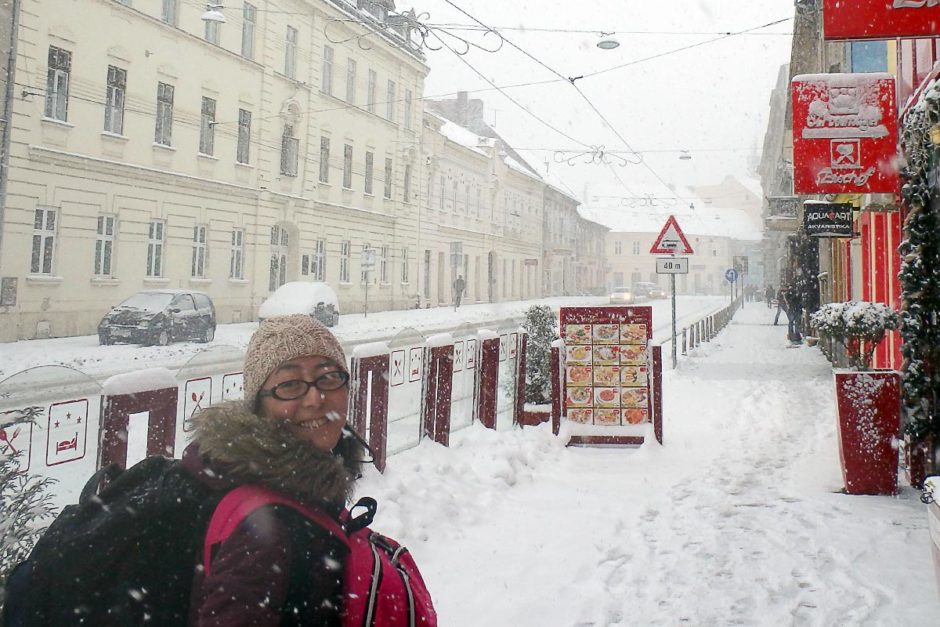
(711, 99)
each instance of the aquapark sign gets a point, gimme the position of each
(880, 19)
(845, 134)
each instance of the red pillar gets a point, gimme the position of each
(371, 371)
(558, 387)
(486, 384)
(521, 341)
(437, 385)
(161, 424)
(657, 384)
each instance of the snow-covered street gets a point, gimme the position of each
(737, 520)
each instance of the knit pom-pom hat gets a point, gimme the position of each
(281, 338)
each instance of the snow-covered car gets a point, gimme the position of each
(160, 317)
(308, 297)
(622, 296)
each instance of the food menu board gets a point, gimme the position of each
(607, 365)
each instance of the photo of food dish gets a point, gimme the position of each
(606, 397)
(581, 416)
(606, 375)
(633, 333)
(633, 376)
(606, 333)
(634, 397)
(604, 354)
(579, 375)
(607, 417)
(632, 354)
(635, 416)
(580, 396)
(578, 333)
(578, 354)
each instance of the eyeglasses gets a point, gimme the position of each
(296, 388)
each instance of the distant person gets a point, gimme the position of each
(459, 286)
(794, 313)
(781, 305)
(769, 295)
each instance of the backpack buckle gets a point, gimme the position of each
(363, 520)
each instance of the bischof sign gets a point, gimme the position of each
(880, 19)
(827, 219)
(845, 134)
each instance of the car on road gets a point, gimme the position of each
(622, 296)
(648, 290)
(160, 317)
(310, 297)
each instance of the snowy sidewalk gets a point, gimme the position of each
(737, 520)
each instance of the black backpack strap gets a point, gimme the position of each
(96, 482)
(363, 520)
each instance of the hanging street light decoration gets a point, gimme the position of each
(596, 155)
(214, 13)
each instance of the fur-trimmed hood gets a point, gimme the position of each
(235, 446)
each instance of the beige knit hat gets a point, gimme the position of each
(281, 338)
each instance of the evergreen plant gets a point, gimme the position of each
(542, 330)
(920, 268)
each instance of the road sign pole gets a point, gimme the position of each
(672, 280)
(365, 309)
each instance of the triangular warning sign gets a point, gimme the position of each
(671, 240)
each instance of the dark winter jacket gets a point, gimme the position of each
(276, 568)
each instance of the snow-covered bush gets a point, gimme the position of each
(25, 504)
(858, 325)
(920, 268)
(542, 329)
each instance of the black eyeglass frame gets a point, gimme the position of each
(316, 383)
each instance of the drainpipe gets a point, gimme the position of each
(8, 115)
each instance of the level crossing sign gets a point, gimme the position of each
(671, 240)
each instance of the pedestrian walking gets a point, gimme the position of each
(459, 286)
(794, 314)
(769, 295)
(781, 304)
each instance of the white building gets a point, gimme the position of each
(151, 148)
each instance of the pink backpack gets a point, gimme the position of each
(382, 586)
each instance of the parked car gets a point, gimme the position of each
(160, 317)
(622, 296)
(310, 297)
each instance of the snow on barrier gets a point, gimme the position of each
(62, 424)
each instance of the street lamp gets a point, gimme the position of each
(608, 43)
(213, 13)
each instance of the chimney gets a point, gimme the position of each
(461, 108)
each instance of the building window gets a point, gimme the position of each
(290, 52)
(114, 100)
(370, 94)
(455, 196)
(383, 265)
(636, 248)
(476, 211)
(236, 266)
(370, 169)
(344, 254)
(404, 265)
(104, 246)
(44, 226)
(289, 149)
(406, 184)
(207, 127)
(324, 159)
(351, 81)
(155, 240)
(213, 31)
(199, 251)
(347, 166)
(388, 177)
(279, 246)
(244, 136)
(163, 134)
(170, 12)
(408, 108)
(443, 193)
(57, 84)
(618, 247)
(249, 20)
(390, 101)
(326, 81)
(318, 260)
